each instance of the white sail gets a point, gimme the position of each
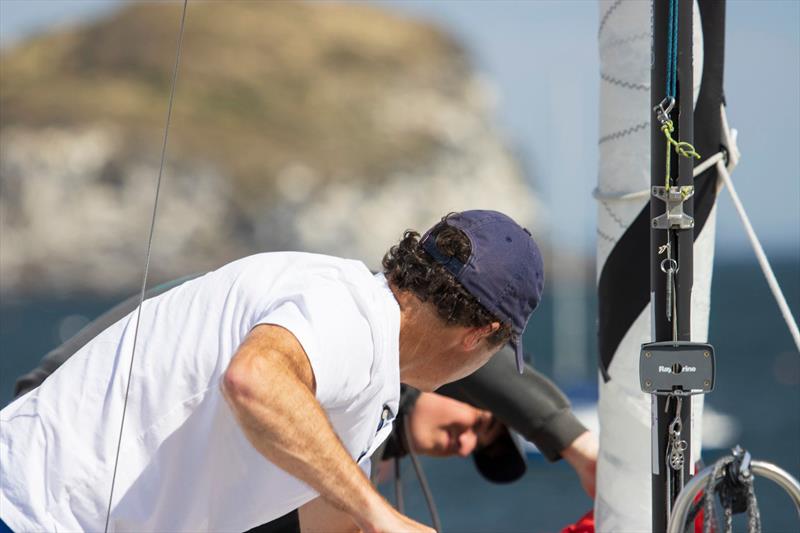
(624, 468)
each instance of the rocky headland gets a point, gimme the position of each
(324, 127)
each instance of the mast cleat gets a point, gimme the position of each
(676, 368)
(674, 197)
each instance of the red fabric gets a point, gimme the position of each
(698, 520)
(584, 525)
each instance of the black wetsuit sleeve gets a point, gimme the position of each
(529, 403)
(57, 356)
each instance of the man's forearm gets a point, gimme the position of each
(271, 397)
(581, 454)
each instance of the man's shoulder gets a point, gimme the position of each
(329, 291)
(338, 297)
(304, 264)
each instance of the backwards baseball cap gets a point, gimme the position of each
(502, 460)
(504, 271)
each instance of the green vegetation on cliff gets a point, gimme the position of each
(262, 85)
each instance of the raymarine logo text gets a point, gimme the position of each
(677, 369)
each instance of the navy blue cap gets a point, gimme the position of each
(504, 271)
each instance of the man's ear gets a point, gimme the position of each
(474, 336)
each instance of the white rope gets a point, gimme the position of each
(724, 172)
(761, 256)
(699, 169)
(711, 161)
(603, 195)
(718, 159)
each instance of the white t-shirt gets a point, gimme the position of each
(184, 463)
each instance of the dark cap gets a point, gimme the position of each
(504, 271)
(503, 460)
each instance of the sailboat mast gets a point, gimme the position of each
(681, 241)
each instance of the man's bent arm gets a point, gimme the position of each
(270, 386)
(318, 516)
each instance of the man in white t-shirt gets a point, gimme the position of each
(263, 386)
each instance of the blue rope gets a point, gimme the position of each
(675, 49)
(669, 52)
(672, 50)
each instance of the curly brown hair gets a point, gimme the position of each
(410, 268)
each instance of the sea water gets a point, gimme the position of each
(758, 382)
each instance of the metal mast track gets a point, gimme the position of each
(680, 243)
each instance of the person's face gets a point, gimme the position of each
(472, 356)
(464, 350)
(441, 426)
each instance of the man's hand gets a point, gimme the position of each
(392, 521)
(269, 384)
(318, 516)
(441, 426)
(582, 456)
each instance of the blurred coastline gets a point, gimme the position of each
(323, 127)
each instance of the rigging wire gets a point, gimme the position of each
(761, 256)
(399, 501)
(147, 259)
(777, 293)
(423, 481)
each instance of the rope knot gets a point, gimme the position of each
(682, 148)
(686, 150)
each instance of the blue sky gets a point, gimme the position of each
(541, 58)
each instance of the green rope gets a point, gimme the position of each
(681, 148)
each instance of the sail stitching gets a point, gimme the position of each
(605, 236)
(626, 84)
(613, 215)
(623, 133)
(607, 14)
(613, 43)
